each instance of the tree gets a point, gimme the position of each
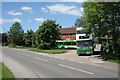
(4, 37)
(112, 18)
(28, 38)
(79, 22)
(34, 40)
(93, 18)
(15, 34)
(47, 34)
(102, 18)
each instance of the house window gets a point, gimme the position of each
(68, 35)
(62, 35)
(73, 35)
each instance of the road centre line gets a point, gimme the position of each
(40, 59)
(75, 69)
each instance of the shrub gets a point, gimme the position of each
(111, 56)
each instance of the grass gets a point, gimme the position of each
(19, 47)
(6, 73)
(22, 47)
(56, 51)
(114, 61)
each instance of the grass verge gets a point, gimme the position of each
(6, 73)
(22, 47)
(114, 61)
(56, 51)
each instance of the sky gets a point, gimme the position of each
(32, 14)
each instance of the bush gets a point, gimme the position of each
(12, 45)
(47, 34)
(111, 56)
(4, 44)
(44, 45)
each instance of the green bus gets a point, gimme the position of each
(85, 46)
(64, 44)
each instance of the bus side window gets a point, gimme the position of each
(73, 43)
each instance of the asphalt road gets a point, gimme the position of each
(49, 67)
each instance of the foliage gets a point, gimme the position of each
(114, 61)
(112, 57)
(93, 18)
(15, 34)
(34, 40)
(117, 42)
(49, 51)
(79, 22)
(28, 38)
(4, 44)
(101, 19)
(4, 37)
(47, 34)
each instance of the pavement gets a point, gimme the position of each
(67, 65)
(19, 71)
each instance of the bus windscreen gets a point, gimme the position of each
(84, 44)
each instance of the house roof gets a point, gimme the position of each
(68, 30)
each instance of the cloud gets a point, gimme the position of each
(39, 19)
(10, 20)
(29, 20)
(14, 13)
(65, 9)
(3, 21)
(44, 9)
(15, 20)
(28, 9)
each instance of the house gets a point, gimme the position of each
(68, 33)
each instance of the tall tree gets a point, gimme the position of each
(4, 37)
(93, 18)
(28, 38)
(47, 34)
(102, 18)
(15, 34)
(34, 40)
(79, 22)
(112, 18)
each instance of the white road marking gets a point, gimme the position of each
(40, 59)
(84, 71)
(80, 62)
(26, 55)
(75, 69)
